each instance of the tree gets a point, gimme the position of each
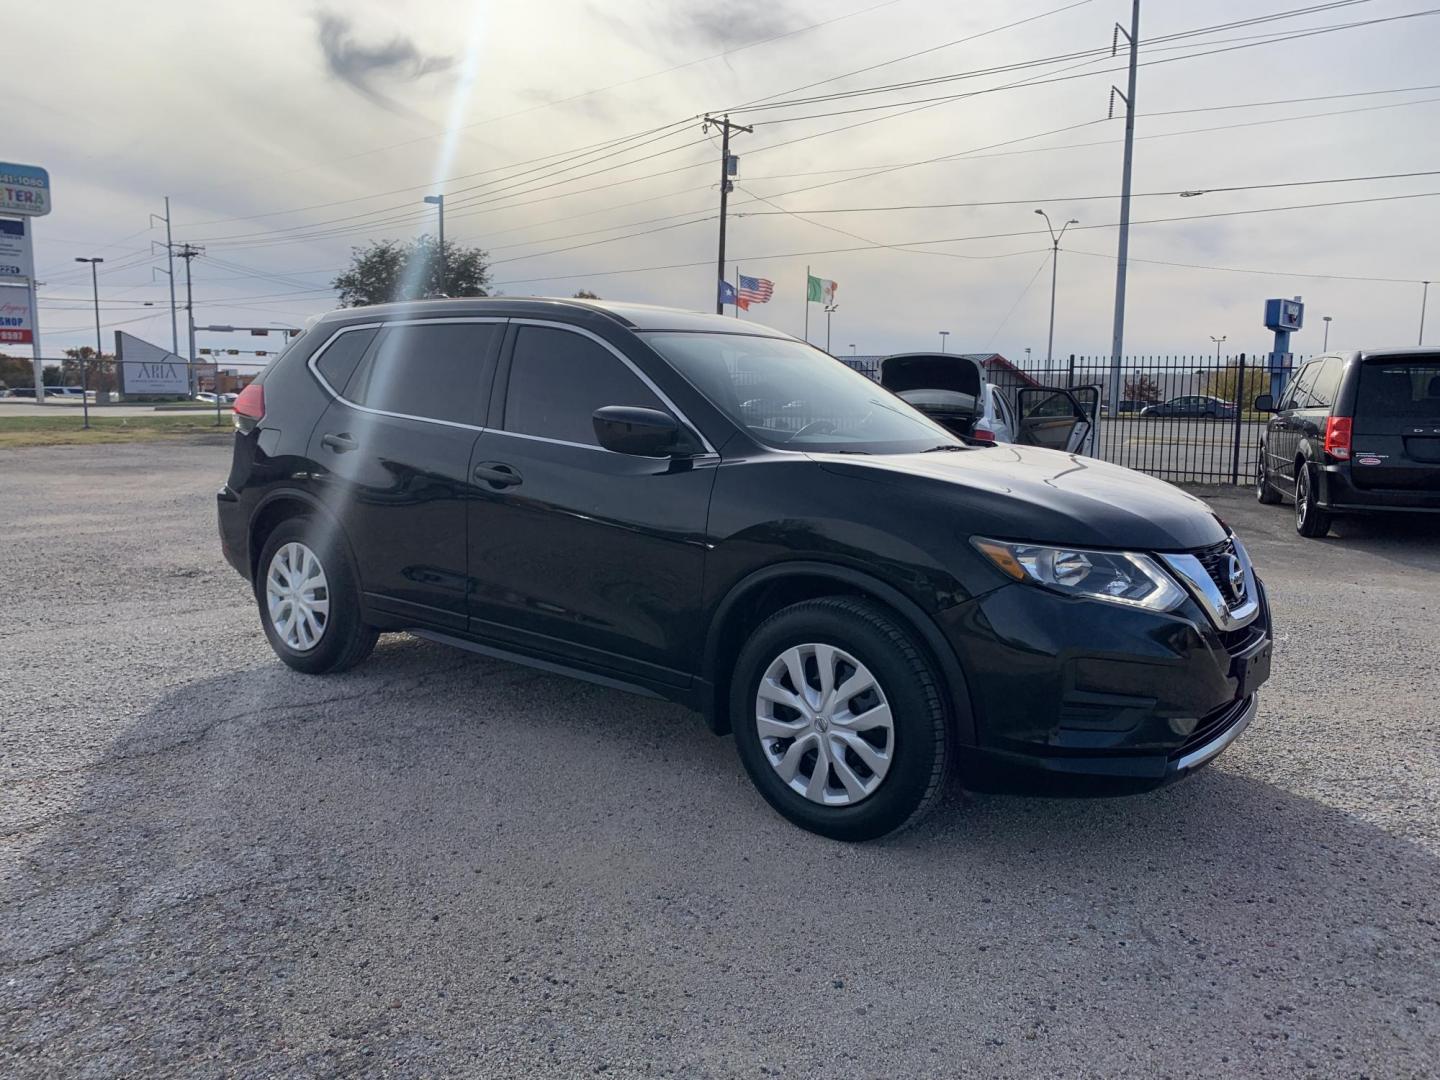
(389, 270)
(99, 376)
(1225, 383)
(1142, 388)
(15, 371)
(586, 294)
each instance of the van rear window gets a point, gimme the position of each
(1409, 389)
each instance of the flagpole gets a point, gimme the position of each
(807, 304)
(737, 290)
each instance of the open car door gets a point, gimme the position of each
(1056, 418)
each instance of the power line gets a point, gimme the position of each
(1181, 192)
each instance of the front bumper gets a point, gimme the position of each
(1077, 696)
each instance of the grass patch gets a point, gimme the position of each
(64, 430)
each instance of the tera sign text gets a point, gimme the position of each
(24, 190)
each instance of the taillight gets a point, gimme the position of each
(249, 408)
(1337, 437)
(983, 433)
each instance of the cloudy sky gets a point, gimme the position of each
(565, 135)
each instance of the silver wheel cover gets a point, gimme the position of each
(824, 724)
(297, 596)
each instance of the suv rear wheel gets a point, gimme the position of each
(309, 599)
(1310, 520)
(838, 719)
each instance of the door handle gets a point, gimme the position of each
(497, 474)
(341, 443)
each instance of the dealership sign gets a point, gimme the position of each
(148, 369)
(16, 327)
(17, 262)
(24, 189)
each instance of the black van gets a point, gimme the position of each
(1354, 432)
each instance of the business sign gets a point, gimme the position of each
(24, 189)
(17, 260)
(147, 369)
(15, 325)
(1284, 315)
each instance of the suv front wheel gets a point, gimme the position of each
(838, 719)
(309, 599)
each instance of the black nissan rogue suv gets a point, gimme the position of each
(718, 514)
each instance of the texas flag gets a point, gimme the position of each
(728, 296)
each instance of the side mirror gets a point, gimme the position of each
(1265, 403)
(629, 429)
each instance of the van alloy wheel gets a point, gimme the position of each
(824, 724)
(297, 596)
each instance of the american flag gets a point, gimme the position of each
(755, 290)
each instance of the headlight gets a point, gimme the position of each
(1119, 577)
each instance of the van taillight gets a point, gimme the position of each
(249, 407)
(1337, 437)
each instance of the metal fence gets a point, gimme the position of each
(1189, 419)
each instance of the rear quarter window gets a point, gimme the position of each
(339, 359)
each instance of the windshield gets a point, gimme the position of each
(791, 395)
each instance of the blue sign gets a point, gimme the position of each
(24, 189)
(1284, 315)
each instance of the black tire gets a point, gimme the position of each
(921, 744)
(1265, 491)
(344, 640)
(1310, 520)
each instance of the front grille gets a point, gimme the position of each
(1216, 560)
(1211, 726)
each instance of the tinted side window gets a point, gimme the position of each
(557, 381)
(342, 356)
(1295, 394)
(431, 370)
(1326, 384)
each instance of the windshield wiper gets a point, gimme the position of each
(945, 446)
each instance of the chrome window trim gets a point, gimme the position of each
(1193, 575)
(313, 365)
(664, 397)
(1202, 754)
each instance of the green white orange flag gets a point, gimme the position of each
(819, 291)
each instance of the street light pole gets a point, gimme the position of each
(438, 201)
(1218, 341)
(943, 335)
(1054, 266)
(1325, 346)
(84, 371)
(829, 310)
(1424, 299)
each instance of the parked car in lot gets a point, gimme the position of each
(1354, 433)
(209, 397)
(718, 514)
(1194, 406)
(951, 389)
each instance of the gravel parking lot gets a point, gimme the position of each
(439, 865)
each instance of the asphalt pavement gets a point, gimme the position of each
(439, 865)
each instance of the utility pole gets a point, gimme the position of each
(1117, 340)
(729, 166)
(1054, 271)
(84, 369)
(943, 335)
(1424, 299)
(188, 252)
(438, 201)
(170, 260)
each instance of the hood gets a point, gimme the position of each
(908, 372)
(1024, 493)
